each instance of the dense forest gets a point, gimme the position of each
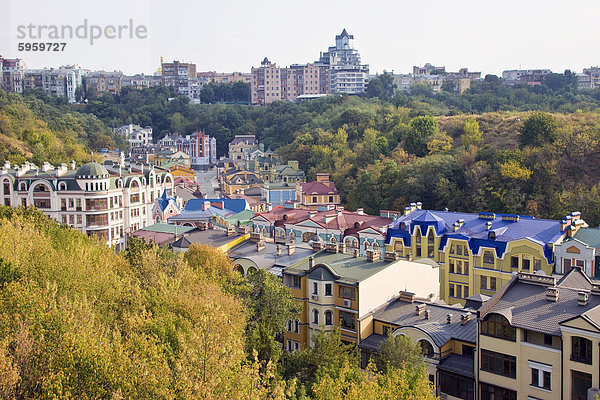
(79, 321)
(531, 150)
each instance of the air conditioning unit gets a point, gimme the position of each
(347, 302)
(315, 297)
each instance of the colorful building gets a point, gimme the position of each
(166, 206)
(237, 180)
(319, 194)
(582, 250)
(338, 288)
(478, 253)
(539, 338)
(447, 336)
(356, 230)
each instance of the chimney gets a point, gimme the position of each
(413, 206)
(407, 210)
(488, 225)
(291, 249)
(310, 262)
(360, 211)
(61, 170)
(552, 293)
(464, 318)
(311, 214)
(372, 255)
(356, 253)
(408, 297)
(419, 205)
(7, 164)
(73, 165)
(278, 249)
(427, 314)
(420, 309)
(260, 245)
(582, 297)
(449, 318)
(205, 205)
(455, 226)
(230, 230)
(390, 256)
(46, 166)
(342, 247)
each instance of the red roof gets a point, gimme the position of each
(318, 188)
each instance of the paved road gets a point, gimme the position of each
(208, 182)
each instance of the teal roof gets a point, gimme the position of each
(242, 217)
(348, 268)
(92, 170)
(589, 236)
(166, 228)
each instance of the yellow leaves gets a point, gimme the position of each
(512, 169)
(440, 142)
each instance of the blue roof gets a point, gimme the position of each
(506, 227)
(235, 205)
(164, 199)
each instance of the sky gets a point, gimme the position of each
(225, 36)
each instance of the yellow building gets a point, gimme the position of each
(478, 253)
(179, 171)
(339, 288)
(446, 335)
(539, 338)
(321, 193)
(237, 180)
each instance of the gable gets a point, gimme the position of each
(370, 231)
(580, 322)
(309, 224)
(573, 249)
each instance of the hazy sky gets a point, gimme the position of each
(225, 36)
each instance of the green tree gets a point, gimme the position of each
(421, 130)
(471, 135)
(538, 128)
(398, 352)
(270, 306)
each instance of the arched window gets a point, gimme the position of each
(40, 187)
(375, 246)
(497, 325)
(292, 236)
(488, 257)
(418, 235)
(316, 317)
(366, 245)
(398, 245)
(356, 225)
(426, 348)
(332, 239)
(328, 318)
(62, 186)
(22, 186)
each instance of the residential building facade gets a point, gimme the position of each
(201, 148)
(103, 81)
(478, 253)
(136, 135)
(319, 194)
(239, 146)
(179, 76)
(108, 202)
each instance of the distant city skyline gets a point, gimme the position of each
(390, 36)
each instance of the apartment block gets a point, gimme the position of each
(60, 82)
(338, 288)
(539, 338)
(106, 201)
(201, 148)
(224, 77)
(478, 253)
(12, 70)
(103, 81)
(141, 81)
(136, 135)
(179, 75)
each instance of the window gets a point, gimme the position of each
(452, 268)
(484, 282)
(457, 386)
(581, 350)
(328, 318)
(331, 199)
(491, 392)
(497, 326)
(296, 326)
(514, 262)
(426, 348)
(452, 249)
(580, 383)
(488, 257)
(347, 292)
(498, 363)
(314, 199)
(537, 264)
(328, 289)
(315, 288)
(541, 375)
(466, 269)
(526, 263)
(492, 283)
(547, 340)
(292, 281)
(347, 320)
(451, 290)
(316, 317)
(458, 291)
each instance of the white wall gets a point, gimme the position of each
(421, 279)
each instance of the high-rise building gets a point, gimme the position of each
(12, 74)
(201, 148)
(179, 75)
(61, 82)
(347, 74)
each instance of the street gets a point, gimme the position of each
(208, 182)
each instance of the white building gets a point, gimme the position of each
(109, 202)
(135, 134)
(347, 74)
(60, 82)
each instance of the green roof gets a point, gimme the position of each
(589, 236)
(92, 170)
(350, 269)
(243, 217)
(166, 228)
